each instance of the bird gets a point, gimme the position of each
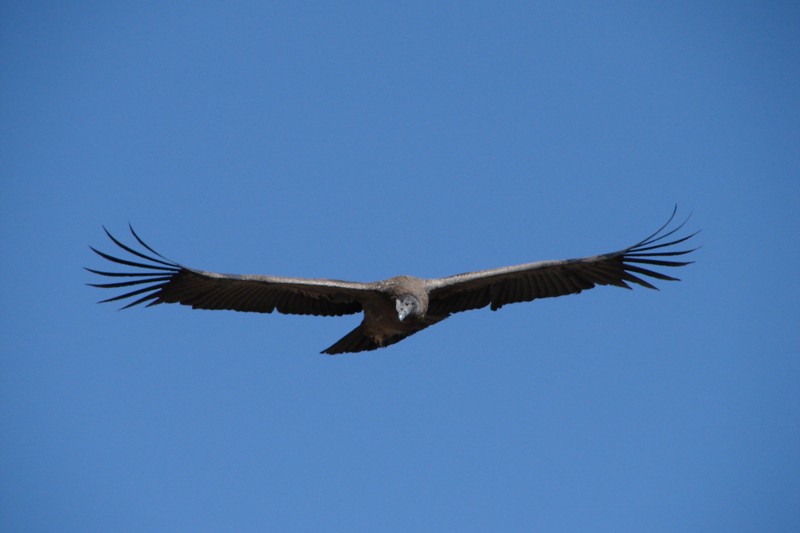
(394, 308)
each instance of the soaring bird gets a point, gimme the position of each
(394, 308)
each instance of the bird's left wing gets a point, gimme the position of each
(547, 279)
(160, 280)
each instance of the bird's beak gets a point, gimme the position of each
(402, 315)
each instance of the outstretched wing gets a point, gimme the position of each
(547, 279)
(160, 280)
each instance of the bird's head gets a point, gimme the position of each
(407, 305)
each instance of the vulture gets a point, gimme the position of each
(394, 308)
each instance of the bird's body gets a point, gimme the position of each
(394, 308)
(381, 319)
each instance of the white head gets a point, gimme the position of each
(407, 305)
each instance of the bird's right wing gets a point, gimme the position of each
(164, 281)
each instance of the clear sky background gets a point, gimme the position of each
(362, 140)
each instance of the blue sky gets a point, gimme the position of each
(371, 139)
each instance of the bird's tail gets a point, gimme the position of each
(357, 341)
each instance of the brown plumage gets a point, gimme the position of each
(394, 308)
